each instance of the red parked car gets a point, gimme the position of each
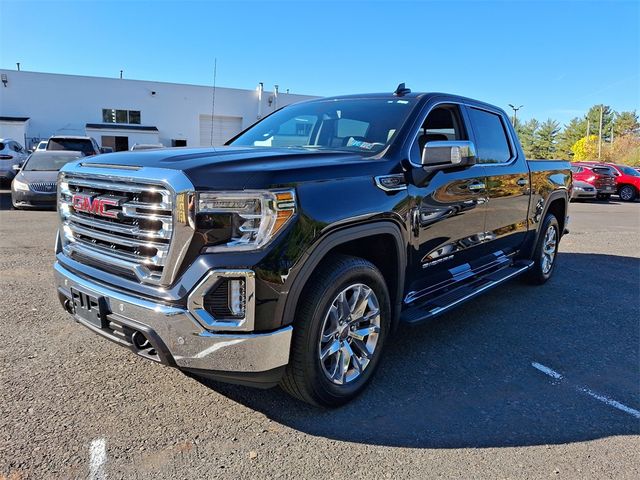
(600, 176)
(627, 179)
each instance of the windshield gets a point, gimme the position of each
(630, 171)
(78, 144)
(362, 125)
(45, 161)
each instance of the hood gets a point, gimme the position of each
(31, 176)
(247, 167)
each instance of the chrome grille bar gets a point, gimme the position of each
(43, 187)
(122, 220)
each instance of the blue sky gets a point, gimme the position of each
(556, 58)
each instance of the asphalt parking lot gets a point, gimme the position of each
(525, 382)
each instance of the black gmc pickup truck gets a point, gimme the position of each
(290, 255)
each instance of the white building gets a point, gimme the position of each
(119, 113)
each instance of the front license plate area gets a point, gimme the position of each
(90, 308)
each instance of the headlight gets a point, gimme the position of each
(20, 186)
(243, 220)
(578, 188)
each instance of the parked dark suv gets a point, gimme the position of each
(291, 255)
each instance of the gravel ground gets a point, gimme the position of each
(458, 398)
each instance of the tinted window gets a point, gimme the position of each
(443, 123)
(491, 141)
(134, 116)
(75, 144)
(603, 171)
(630, 171)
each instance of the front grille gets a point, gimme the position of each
(117, 226)
(43, 187)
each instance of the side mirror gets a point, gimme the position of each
(449, 154)
(15, 168)
(106, 150)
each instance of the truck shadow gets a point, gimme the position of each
(466, 380)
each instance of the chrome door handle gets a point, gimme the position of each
(522, 182)
(475, 187)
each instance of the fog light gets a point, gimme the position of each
(237, 297)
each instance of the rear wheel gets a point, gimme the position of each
(628, 193)
(546, 251)
(341, 327)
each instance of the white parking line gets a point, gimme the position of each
(97, 459)
(603, 398)
(547, 370)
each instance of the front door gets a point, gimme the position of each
(448, 219)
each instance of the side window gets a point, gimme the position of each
(491, 139)
(443, 123)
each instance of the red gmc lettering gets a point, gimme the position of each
(96, 206)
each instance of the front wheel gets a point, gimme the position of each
(627, 193)
(546, 251)
(342, 323)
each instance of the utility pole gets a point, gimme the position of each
(611, 134)
(600, 135)
(515, 114)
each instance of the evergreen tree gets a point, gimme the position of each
(546, 139)
(527, 135)
(626, 123)
(573, 131)
(593, 118)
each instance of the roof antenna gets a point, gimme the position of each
(401, 90)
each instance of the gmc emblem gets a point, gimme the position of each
(95, 205)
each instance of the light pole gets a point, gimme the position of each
(515, 113)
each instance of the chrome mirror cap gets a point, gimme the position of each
(449, 154)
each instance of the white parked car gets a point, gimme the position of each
(42, 145)
(11, 153)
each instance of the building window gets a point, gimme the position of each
(111, 115)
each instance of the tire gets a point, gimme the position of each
(317, 331)
(627, 193)
(546, 247)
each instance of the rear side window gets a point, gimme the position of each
(491, 139)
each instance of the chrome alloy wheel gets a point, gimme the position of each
(349, 334)
(549, 246)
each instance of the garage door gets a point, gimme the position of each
(223, 129)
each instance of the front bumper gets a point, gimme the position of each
(178, 340)
(33, 199)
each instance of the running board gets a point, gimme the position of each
(436, 306)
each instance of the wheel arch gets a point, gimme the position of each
(348, 241)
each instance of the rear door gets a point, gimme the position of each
(507, 171)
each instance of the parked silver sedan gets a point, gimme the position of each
(583, 191)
